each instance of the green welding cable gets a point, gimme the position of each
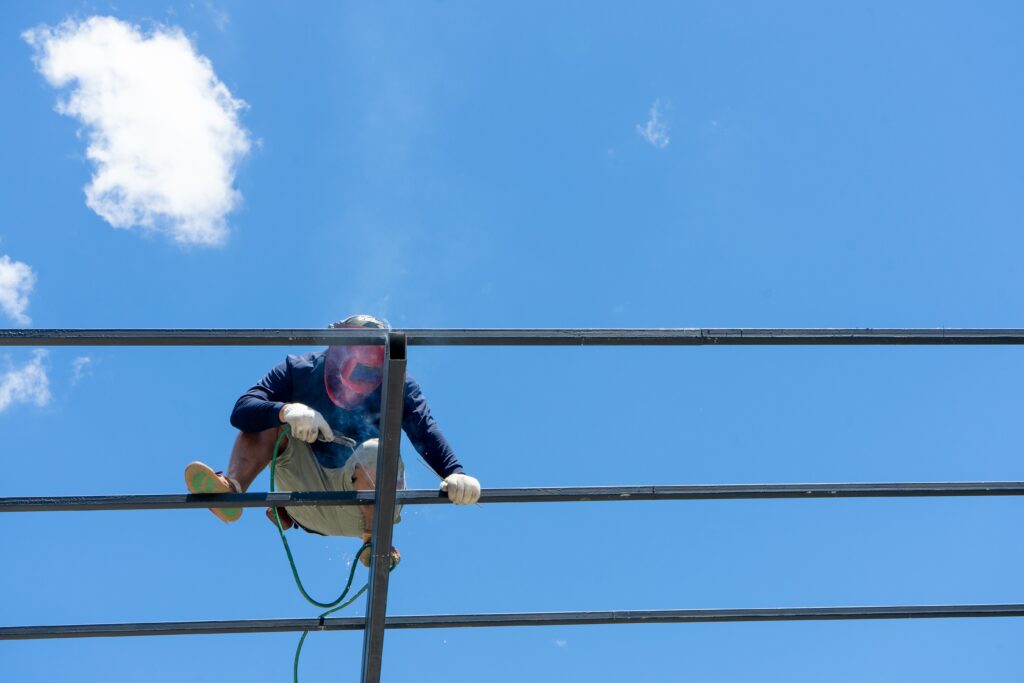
(334, 605)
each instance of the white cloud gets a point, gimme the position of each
(561, 643)
(163, 131)
(16, 283)
(655, 131)
(80, 367)
(27, 384)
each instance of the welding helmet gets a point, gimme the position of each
(351, 373)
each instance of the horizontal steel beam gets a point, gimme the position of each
(192, 337)
(510, 337)
(669, 616)
(706, 336)
(517, 495)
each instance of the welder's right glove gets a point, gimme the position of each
(306, 423)
(462, 489)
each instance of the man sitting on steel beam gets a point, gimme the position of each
(331, 401)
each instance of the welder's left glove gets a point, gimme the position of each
(462, 489)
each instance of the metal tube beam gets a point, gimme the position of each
(192, 337)
(519, 495)
(712, 336)
(670, 616)
(512, 337)
(386, 482)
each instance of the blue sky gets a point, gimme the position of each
(451, 164)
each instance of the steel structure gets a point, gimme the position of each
(516, 337)
(658, 616)
(392, 397)
(561, 494)
(386, 496)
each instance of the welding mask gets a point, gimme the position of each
(352, 373)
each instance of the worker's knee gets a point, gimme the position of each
(366, 452)
(363, 465)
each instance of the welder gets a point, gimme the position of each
(330, 402)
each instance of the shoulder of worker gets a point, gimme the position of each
(304, 361)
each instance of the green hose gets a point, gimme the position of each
(332, 606)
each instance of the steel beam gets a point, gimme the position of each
(512, 337)
(562, 494)
(192, 337)
(710, 336)
(386, 482)
(668, 616)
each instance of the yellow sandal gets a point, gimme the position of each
(201, 478)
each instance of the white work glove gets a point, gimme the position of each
(306, 423)
(462, 489)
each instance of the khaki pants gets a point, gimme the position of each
(299, 470)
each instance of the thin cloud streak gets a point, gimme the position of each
(162, 129)
(655, 130)
(81, 367)
(219, 17)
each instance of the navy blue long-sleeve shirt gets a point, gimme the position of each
(300, 379)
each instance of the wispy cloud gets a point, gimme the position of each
(26, 384)
(16, 283)
(81, 367)
(219, 17)
(561, 643)
(655, 130)
(162, 129)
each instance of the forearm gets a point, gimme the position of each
(254, 414)
(260, 407)
(442, 461)
(435, 450)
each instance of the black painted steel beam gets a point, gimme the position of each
(565, 494)
(512, 337)
(712, 336)
(192, 337)
(670, 616)
(386, 482)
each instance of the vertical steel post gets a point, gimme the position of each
(391, 401)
